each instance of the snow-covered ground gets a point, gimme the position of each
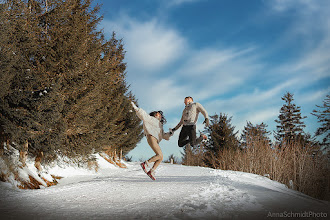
(180, 192)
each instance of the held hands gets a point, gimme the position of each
(206, 122)
(171, 131)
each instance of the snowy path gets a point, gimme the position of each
(180, 192)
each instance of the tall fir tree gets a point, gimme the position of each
(30, 107)
(96, 99)
(7, 52)
(66, 88)
(253, 134)
(221, 135)
(290, 125)
(323, 116)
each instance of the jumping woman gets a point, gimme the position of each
(153, 130)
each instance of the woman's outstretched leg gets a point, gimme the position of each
(153, 143)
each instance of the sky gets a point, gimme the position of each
(234, 57)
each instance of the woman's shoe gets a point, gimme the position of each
(144, 167)
(151, 175)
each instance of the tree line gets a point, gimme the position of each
(296, 158)
(63, 88)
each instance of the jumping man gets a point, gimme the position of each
(188, 123)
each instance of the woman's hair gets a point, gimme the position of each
(162, 120)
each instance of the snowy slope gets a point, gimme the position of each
(180, 192)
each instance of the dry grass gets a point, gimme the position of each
(300, 167)
(110, 154)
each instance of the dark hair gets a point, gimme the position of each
(162, 120)
(189, 97)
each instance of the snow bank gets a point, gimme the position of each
(250, 178)
(64, 167)
(29, 177)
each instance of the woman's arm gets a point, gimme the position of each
(143, 115)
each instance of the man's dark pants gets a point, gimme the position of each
(187, 135)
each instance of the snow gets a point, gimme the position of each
(180, 192)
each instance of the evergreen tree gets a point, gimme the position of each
(93, 83)
(290, 125)
(66, 88)
(323, 117)
(7, 51)
(221, 135)
(255, 134)
(30, 107)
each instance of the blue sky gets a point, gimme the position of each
(236, 57)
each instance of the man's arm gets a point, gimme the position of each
(178, 125)
(201, 109)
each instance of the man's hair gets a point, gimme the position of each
(189, 97)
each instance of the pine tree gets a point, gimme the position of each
(290, 122)
(7, 51)
(255, 134)
(97, 103)
(221, 135)
(65, 84)
(323, 117)
(26, 112)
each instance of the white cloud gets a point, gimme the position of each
(210, 72)
(164, 94)
(247, 102)
(203, 74)
(257, 116)
(311, 24)
(314, 98)
(150, 45)
(285, 5)
(208, 60)
(263, 115)
(316, 62)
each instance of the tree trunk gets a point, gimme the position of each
(2, 141)
(23, 153)
(37, 162)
